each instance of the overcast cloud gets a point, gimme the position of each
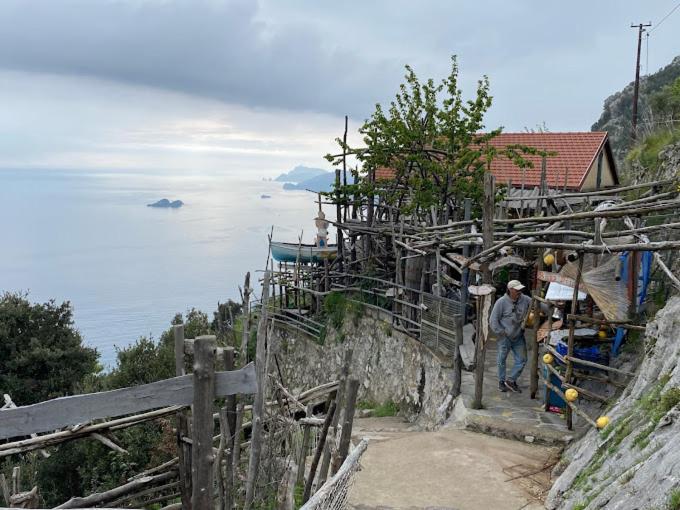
(250, 84)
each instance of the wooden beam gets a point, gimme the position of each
(78, 409)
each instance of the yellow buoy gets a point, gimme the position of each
(548, 358)
(602, 422)
(571, 394)
(531, 318)
(602, 334)
(549, 259)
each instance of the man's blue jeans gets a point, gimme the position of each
(518, 347)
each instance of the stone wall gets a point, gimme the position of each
(390, 365)
(635, 462)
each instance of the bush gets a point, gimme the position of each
(42, 355)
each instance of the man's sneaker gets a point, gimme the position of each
(512, 386)
(501, 386)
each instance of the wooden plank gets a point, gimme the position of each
(79, 409)
(547, 276)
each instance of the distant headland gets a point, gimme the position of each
(305, 178)
(164, 202)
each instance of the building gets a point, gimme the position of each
(579, 158)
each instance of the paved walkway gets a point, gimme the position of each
(452, 469)
(512, 415)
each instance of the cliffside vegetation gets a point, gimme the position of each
(618, 109)
(42, 356)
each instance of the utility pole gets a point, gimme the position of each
(641, 28)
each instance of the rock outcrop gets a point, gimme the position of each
(165, 203)
(634, 463)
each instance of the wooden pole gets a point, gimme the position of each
(304, 447)
(533, 365)
(246, 320)
(346, 434)
(183, 449)
(258, 404)
(204, 424)
(487, 236)
(465, 277)
(457, 360)
(339, 400)
(330, 414)
(570, 343)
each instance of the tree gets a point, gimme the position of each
(435, 142)
(42, 355)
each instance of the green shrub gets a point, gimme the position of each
(674, 500)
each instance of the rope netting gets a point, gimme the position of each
(334, 494)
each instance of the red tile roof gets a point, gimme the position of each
(575, 155)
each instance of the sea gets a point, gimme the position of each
(88, 237)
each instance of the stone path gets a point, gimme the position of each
(451, 469)
(512, 415)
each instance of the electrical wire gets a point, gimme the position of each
(665, 17)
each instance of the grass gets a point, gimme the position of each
(337, 308)
(388, 408)
(674, 500)
(656, 405)
(646, 153)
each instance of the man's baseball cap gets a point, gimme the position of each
(515, 284)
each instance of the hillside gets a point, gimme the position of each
(300, 174)
(323, 182)
(618, 108)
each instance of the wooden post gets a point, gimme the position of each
(339, 401)
(570, 345)
(330, 414)
(302, 457)
(487, 236)
(541, 206)
(533, 365)
(204, 424)
(230, 400)
(457, 360)
(346, 434)
(246, 320)
(258, 404)
(183, 449)
(465, 277)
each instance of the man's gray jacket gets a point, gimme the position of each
(507, 316)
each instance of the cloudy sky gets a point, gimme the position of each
(255, 87)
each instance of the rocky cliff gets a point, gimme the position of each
(618, 108)
(634, 463)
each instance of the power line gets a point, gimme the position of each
(665, 17)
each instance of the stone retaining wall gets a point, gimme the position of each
(390, 365)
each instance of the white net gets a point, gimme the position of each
(334, 494)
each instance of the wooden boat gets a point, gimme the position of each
(288, 252)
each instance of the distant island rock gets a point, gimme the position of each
(300, 174)
(164, 202)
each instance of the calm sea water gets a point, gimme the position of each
(88, 237)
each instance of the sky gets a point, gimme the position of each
(256, 87)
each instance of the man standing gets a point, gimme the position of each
(506, 321)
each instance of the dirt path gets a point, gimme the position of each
(450, 469)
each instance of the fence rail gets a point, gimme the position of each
(79, 409)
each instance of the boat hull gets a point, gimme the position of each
(288, 252)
